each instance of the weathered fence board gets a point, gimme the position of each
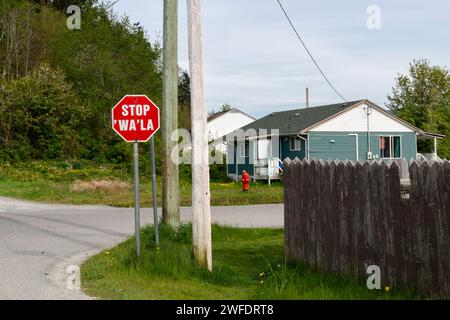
(344, 216)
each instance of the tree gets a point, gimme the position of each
(184, 100)
(225, 107)
(41, 116)
(24, 37)
(423, 99)
(62, 5)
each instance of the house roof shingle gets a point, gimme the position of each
(295, 121)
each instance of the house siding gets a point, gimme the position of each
(231, 168)
(286, 151)
(355, 119)
(344, 146)
(247, 166)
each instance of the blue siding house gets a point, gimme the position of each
(357, 130)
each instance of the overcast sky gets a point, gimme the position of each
(254, 61)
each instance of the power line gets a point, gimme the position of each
(309, 53)
(110, 5)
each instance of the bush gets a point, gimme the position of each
(40, 117)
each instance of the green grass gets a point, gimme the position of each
(53, 182)
(248, 264)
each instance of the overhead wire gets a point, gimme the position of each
(309, 52)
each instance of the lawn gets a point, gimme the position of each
(248, 264)
(88, 183)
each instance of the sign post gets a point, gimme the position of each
(155, 205)
(137, 214)
(136, 119)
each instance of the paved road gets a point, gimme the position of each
(38, 241)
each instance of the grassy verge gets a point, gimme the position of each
(76, 184)
(248, 264)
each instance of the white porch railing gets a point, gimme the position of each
(428, 156)
(267, 169)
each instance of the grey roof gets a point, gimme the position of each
(295, 121)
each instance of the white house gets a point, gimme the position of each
(222, 123)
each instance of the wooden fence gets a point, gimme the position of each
(344, 216)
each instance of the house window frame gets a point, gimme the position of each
(391, 146)
(299, 144)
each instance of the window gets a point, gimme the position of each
(390, 147)
(295, 144)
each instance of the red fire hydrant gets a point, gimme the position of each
(245, 181)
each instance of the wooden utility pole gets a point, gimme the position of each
(170, 195)
(201, 211)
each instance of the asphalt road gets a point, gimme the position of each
(39, 241)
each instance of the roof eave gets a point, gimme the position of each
(431, 135)
(212, 118)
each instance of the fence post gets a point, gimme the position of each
(288, 210)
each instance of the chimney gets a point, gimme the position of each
(307, 97)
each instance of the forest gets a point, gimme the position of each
(57, 86)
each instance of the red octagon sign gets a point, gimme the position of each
(135, 118)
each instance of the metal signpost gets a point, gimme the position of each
(136, 119)
(155, 206)
(137, 214)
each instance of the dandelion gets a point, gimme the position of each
(261, 282)
(107, 253)
(262, 274)
(387, 289)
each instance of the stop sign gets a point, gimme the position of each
(135, 118)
